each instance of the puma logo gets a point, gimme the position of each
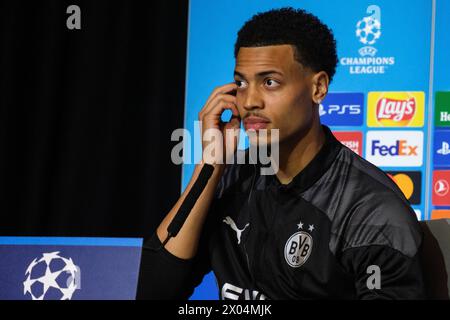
(233, 226)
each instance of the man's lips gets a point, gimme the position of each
(255, 123)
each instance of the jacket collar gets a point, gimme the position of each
(313, 170)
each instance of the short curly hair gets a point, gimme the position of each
(314, 41)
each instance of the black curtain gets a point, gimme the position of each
(86, 116)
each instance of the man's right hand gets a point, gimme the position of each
(210, 116)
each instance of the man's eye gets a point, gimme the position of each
(240, 84)
(272, 83)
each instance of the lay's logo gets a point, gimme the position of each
(400, 111)
(396, 109)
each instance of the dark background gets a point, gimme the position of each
(86, 116)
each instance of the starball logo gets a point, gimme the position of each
(368, 32)
(396, 109)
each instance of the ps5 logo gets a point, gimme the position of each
(342, 109)
(351, 109)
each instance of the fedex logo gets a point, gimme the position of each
(342, 109)
(400, 148)
(395, 148)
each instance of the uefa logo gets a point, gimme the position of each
(368, 31)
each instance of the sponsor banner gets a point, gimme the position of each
(442, 109)
(441, 188)
(395, 148)
(342, 109)
(410, 182)
(441, 155)
(351, 139)
(395, 109)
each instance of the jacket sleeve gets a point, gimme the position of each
(381, 272)
(163, 276)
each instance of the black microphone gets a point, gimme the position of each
(189, 202)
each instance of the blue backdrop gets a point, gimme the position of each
(389, 52)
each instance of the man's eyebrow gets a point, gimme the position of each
(260, 74)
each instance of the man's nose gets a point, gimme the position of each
(252, 99)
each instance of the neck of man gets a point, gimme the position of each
(298, 151)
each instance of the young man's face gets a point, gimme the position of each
(274, 86)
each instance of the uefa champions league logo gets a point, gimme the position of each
(368, 30)
(51, 277)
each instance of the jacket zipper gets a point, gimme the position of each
(248, 208)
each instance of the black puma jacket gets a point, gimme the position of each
(341, 229)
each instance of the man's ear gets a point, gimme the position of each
(320, 83)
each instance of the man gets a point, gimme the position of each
(328, 224)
